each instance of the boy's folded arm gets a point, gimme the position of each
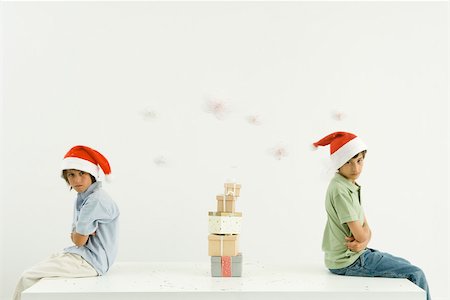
(361, 233)
(79, 239)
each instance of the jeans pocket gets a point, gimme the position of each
(355, 268)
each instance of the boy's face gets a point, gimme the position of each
(80, 181)
(353, 168)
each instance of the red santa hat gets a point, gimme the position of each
(86, 159)
(343, 146)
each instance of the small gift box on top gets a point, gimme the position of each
(226, 266)
(233, 189)
(223, 245)
(226, 203)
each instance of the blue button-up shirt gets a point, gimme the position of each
(95, 211)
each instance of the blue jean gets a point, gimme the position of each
(374, 263)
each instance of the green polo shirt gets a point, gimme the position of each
(343, 205)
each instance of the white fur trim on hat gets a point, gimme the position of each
(346, 152)
(81, 165)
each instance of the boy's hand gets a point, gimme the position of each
(354, 245)
(361, 235)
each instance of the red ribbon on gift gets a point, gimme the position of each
(226, 266)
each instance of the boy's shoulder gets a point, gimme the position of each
(100, 199)
(101, 194)
(98, 194)
(340, 184)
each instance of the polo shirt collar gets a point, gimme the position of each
(92, 188)
(354, 187)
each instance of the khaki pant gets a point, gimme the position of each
(61, 264)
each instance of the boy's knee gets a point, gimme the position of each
(28, 278)
(25, 274)
(418, 276)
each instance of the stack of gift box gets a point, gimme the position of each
(224, 231)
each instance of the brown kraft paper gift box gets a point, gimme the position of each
(223, 245)
(226, 203)
(233, 189)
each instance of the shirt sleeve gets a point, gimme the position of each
(345, 207)
(90, 214)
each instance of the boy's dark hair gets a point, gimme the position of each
(362, 152)
(356, 155)
(64, 175)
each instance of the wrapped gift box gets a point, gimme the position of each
(226, 203)
(233, 189)
(224, 223)
(226, 266)
(223, 245)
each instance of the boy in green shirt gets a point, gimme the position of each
(347, 232)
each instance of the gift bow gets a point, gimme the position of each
(232, 192)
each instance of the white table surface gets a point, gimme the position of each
(189, 280)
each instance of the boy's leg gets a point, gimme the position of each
(393, 257)
(61, 264)
(374, 263)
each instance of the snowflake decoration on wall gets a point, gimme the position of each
(160, 161)
(149, 113)
(219, 108)
(338, 115)
(279, 152)
(254, 120)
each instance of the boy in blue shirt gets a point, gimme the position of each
(347, 232)
(94, 227)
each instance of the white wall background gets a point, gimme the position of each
(132, 80)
